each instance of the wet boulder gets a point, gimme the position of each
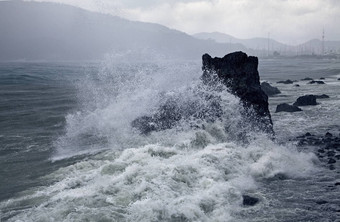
(307, 100)
(284, 107)
(288, 81)
(269, 90)
(249, 201)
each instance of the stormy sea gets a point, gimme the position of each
(68, 151)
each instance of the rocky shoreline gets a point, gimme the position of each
(326, 147)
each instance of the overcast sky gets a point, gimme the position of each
(288, 21)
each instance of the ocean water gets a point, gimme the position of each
(68, 151)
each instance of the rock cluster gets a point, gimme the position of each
(328, 147)
(307, 100)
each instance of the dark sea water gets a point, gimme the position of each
(68, 152)
(34, 99)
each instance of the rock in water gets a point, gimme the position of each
(249, 201)
(307, 100)
(307, 79)
(284, 107)
(239, 73)
(323, 96)
(269, 90)
(288, 81)
(317, 82)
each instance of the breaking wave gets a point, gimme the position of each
(185, 173)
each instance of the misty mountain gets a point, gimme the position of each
(252, 43)
(51, 31)
(315, 46)
(262, 44)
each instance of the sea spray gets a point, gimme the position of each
(181, 174)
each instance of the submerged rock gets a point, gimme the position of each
(239, 73)
(288, 81)
(331, 161)
(328, 134)
(284, 107)
(307, 100)
(308, 134)
(307, 79)
(323, 96)
(320, 202)
(269, 90)
(317, 82)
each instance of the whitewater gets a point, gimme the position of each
(105, 170)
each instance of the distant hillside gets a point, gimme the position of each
(315, 46)
(261, 45)
(50, 31)
(253, 43)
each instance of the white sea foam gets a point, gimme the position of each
(180, 174)
(155, 183)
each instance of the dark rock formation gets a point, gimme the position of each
(269, 90)
(338, 78)
(307, 79)
(249, 201)
(288, 81)
(317, 82)
(239, 73)
(297, 85)
(322, 78)
(307, 100)
(323, 96)
(284, 107)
